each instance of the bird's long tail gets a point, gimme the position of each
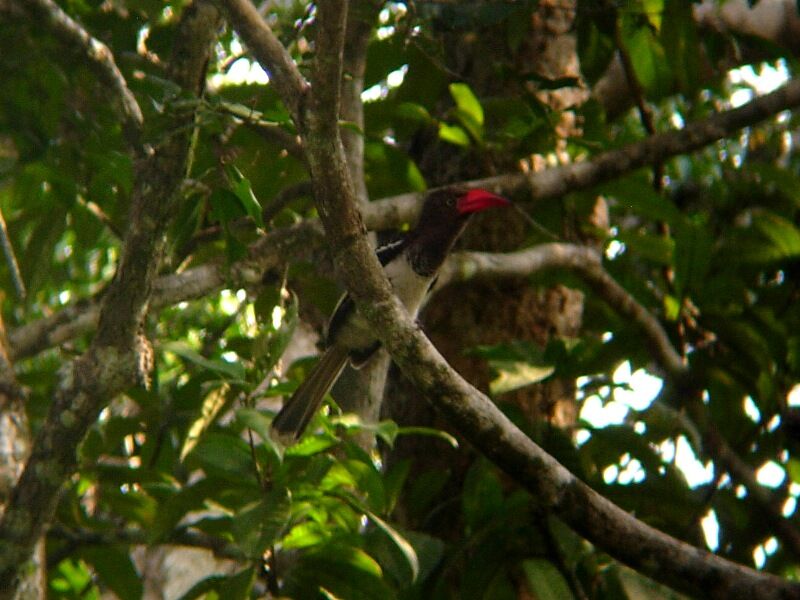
(292, 420)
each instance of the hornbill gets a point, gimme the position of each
(410, 264)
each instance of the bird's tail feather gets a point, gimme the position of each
(292, 420)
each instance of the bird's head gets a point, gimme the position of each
(455, 203)
(444, 216)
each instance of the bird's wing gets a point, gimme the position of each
(345, 307)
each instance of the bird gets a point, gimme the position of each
(411, 264)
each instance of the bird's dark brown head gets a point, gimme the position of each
(451, 203)
(444, 216)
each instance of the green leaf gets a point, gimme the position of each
(655, 248)
(545, 581)
(692, 257)
(769, 238)
(386, 431)
(391, 171)
(649, 62)
(482, 498)
(310, 445)
(244, 191)
(72, 576)
(402, 544)
(340, 569)
(239, 585)
(653, 12)
(307, 535)
(411, 111)
(226, 369)
(175, 507)
(405, 548)
(793, 354)
(596, 46)
(636, 193)
(233, 587)
(453, 134)
(116, 570)
(636, 586)
(260, 423)
(226, 455)
(213, 403)
(782, 234)
(514, 375)
(257, 526)
(225, 206)
(682, 44)
(468, 110)
(429, 431)
(793, 469)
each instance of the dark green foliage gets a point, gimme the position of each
(714, 256)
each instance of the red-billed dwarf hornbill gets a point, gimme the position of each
(410, 264)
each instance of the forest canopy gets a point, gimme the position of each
(599, 399)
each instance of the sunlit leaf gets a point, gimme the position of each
(515, 375)
(213, 403)
(453, 134)
(468, 110)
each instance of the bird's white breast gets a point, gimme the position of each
(410, 287)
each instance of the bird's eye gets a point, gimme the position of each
(451, 201)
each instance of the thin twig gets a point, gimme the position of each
(101, 59)
(645, 112)
(271, 55)
(11, 259)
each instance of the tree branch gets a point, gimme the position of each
(271, 55)
(101, 60)
(326, 76)
(361, 20)
(269, 252)
(112, 361)
(554, 183)
(587, 263)
(75, 538)
(11, 259)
